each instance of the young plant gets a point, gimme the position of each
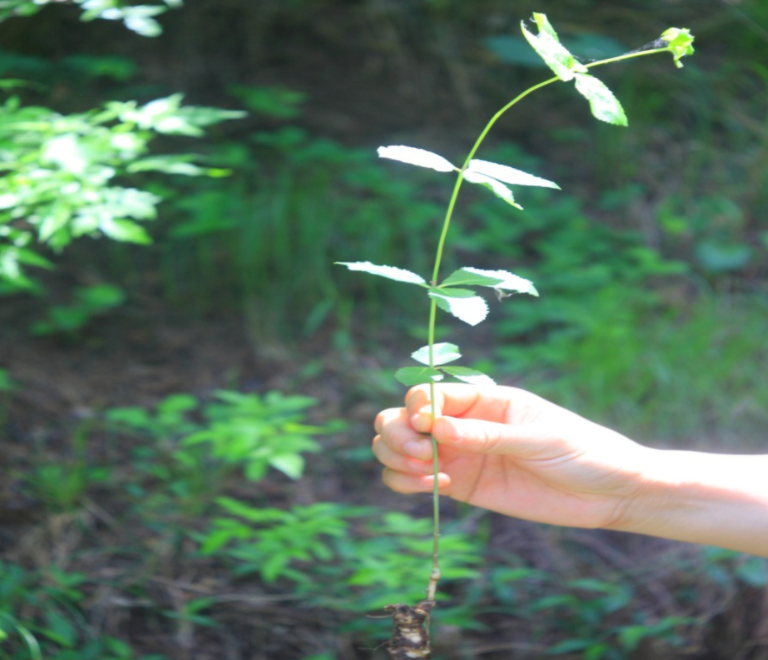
(457, 294)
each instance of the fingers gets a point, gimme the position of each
(495, 404)
(393, 457)
(407, 483)
(406, 454)
(398, 441)
(523, 441)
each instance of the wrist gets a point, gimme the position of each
(710, 499)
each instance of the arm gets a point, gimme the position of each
(510, 451)
(713, 499)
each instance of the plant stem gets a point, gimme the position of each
(435, 573)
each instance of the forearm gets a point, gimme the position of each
(711, 499)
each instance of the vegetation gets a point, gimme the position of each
(178, 483)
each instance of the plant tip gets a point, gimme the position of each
(679, 43)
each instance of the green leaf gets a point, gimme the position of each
(419, 157)
(604, 105)
(509, 174)
(291, 465)
(548, 46)
(495, 279)
(441, 353)
(680, 43)
(418, 375)
(464, 304)
(496, 187)
(471, 376)
(32, 258)
(168, 165)
(125, 230)
(390, 272)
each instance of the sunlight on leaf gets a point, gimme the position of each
(496, 187)
(441, 353)
(504, 280)
(549, 48)
(390, 272)
(414, 156)
(471, 376)
(509, 174)
(464, 304)
(418, 375)
(603, 104)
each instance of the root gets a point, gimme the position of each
(410, 636)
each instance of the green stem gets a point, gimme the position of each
(435, 574)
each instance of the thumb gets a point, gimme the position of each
(473, 436)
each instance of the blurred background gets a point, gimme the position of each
(187, 382)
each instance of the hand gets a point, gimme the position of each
(510, 451)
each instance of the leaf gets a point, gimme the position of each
(419, 157)
(680, 42)
(124, 230)
(441, 354)
(291, 465)
(496, 187)
(507, 281)
(418, 375)
(464, 304)
(548, 46)
(390, 272)
(604, 105)
(471, 376)
(509, 174)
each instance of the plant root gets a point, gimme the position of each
(410, 635)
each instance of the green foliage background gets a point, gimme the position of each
(176, 522)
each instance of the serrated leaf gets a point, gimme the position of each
(548, 46)
(509, 174)
(496, 187)
(603, 104)
(507, 281)
(441, 354)
(464, 304)
(417, 375)
(471, 376)
(419, 157)
(390, 272)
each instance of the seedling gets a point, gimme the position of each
(457, 293)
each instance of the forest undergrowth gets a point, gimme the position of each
(177, 482)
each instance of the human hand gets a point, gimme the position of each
(510, 451)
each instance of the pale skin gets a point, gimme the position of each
(512, 452)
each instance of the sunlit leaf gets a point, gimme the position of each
(471, 376)
(603, 104)
(419, 157)
(125, 230)
(441, 353)
(464, 304)
(417, 375)
(680, 42)
(467, 277)
(506, 281)
(509, 174)
(390, 272)
(291, 465)
(496, 187)
(548, 46)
